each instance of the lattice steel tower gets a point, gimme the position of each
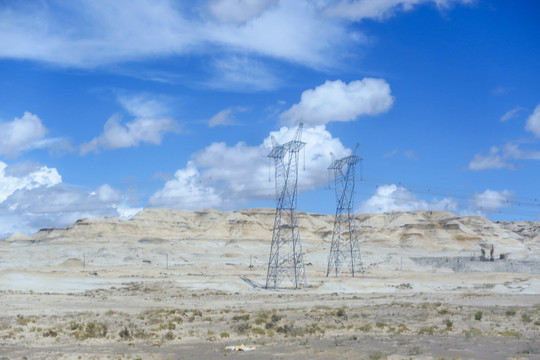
(286, 261)
(345, 248)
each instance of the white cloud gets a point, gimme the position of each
(241, 73)
(533, 122)
(21, 134)
(502, 157)
(89, 34)
(186, 191)
(117, 135)
(239, 11)
(126, 212)
(106, 193)
(226, 177)
(33, 196)
(144, 105)
(501, 90)
(493, 160)
(85, 33)
(491, 201)
(358, 10)
(392, 197)
(513, 151)
(26, 177)
(225, 117)
(338, 101)
(512, 113)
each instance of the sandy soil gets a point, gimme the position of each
(168, 314)
(142, 290)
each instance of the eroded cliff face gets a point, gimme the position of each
(211, 238)
(427, 230)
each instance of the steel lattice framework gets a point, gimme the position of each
(345, 247)
(286, 259)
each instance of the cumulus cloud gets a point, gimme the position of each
(338, 101)
(239, 11)
(33, 196)
(393, 197)
(106, 193)
(533, 122)
(491, 201)
(149, 126)
(21, 134)
(141, 130)
(358, 10)
(26, 177)
(186, 191)
(226, 177)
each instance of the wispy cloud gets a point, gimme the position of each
(251, 33)
(501, 90)
(358, 10)
(242, 73)
(503, 157)
(145, 105)
(239, 11)
(512, 113)
(225, 117)
(87, 34)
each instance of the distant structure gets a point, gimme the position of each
(286, 261)
(345, 250)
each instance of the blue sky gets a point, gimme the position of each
(109, 107)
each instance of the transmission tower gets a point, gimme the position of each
(345, 248)
(286, 259)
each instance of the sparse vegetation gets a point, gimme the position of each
(244, 317)
(92, 329)
(427, 330)
(478, 316)
(526, 318)
(161, 326)
(449, 324)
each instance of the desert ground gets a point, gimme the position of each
(171, 284)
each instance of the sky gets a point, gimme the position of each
(110, 107)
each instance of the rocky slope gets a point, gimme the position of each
(216, 236)
(427, 230)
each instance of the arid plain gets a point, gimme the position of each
(171, 284)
